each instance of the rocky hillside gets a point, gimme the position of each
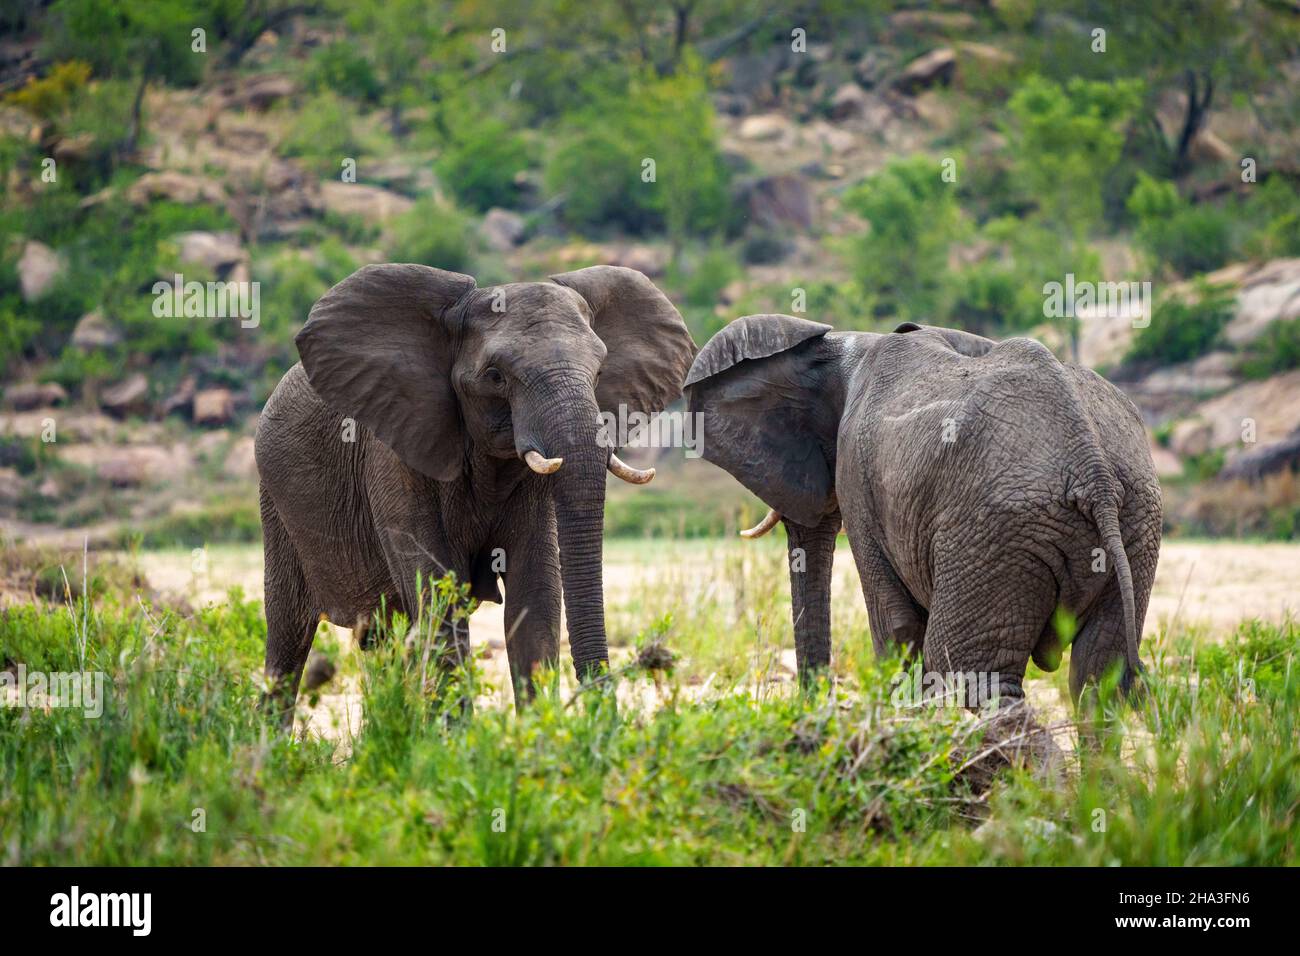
(897, 165)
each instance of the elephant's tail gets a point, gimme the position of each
(1107, 518)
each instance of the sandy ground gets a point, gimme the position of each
(1209, 585)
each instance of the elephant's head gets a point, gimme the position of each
(772, 389)
(440, 371)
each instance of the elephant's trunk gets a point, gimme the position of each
(570, 432)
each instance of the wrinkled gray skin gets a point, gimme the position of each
(449, 386)
(965, 547)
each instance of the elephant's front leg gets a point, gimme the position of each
(417, 552)
(811, 553)
(532, 611)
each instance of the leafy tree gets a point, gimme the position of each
(422, 49)
(1064, 139)
(914, 218)
(645, 159)
(480, 161)
(1202, 50)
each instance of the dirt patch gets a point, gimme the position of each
(1213, 585)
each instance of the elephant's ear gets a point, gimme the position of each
(649, 347)
(964, 343)
(377, 349)
(760, 384)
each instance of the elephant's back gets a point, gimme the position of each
(1014, 428)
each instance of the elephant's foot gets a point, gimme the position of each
(1011, 736)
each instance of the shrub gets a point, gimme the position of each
(324, 132)
(764, 247)
(480, 162)
(600, 164)
(595, 171)
(291, 284)
(1275, 207)
(110, 266)
(342, 68)
(127, 36)
(703, 282)
(1277, 350)
(49, 96)
(234, 521)
(1183, 330)
(434, 234)
(1174, 233)
(986, 296)
(914, 219)
(1064, 141)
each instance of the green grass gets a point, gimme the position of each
(1207, 771)
(224, 522)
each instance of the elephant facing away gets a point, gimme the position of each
(982, 486)
(434, 426)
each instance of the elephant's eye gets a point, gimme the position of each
(494, 376)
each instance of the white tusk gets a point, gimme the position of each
(633, 476)
(764, 526)
(543, 466)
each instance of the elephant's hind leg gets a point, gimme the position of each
(290, 624)
(986, 620)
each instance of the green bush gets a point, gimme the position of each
(986, 297)
(1183, 330)
(703, 280)
(343, 69)
(325, 132)
(1004, 293)
(113, 254)
(1274, 210)
(1188, 239)
(595, 172)
(764, 247)
(914, 219)
(601, 164)
(291, 283)
(1277, 350)
(130, 36)
(1064, 141)
(433, 234)
(48, 96)
(480, 162)
(229, 522)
